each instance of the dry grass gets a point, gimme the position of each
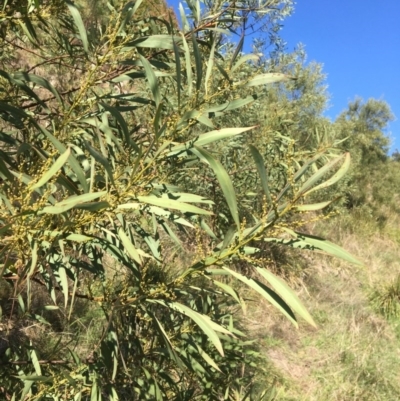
(354, 353)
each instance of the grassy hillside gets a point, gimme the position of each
(354, 352)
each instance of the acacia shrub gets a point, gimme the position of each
(99, 207)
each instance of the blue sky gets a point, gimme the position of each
(358, 42)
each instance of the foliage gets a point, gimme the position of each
(387, 298)
(119, 197)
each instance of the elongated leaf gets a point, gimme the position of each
(185, 23)
(210, 66)
(20, 82)
(310, 242)
(238, 49)
(315, 206)
(64, 284)
(44, 83)
(173, 204)
(207, 138)
(174, 356)
(152, 80)
(188, 65)
(159, 211)
(79, 24)
(336, 177)
(72, 160)
(266, 293)
(207, 229)
(232, 105)
(131, 10)
(34, 253)
(5, 171)
(78, 237)
(228, 238)
(262, 172)
(243, 59)
(224, 181)
(185, 197)
(93, 206)
(178, 71)
(207, 358)
(130, 248)
(35, 363)
(286, 293)
(121, 121)
(101, 159)
(305, 167)
(268, 78)
(203, 321)
(198, 61)
(72, 201)
(53, 169)
(320, 173)
(28, 29)
(155, 42)
(229, 290)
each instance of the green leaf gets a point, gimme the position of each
(172, 204)
(34, 253)
(101, 159)
(64, 284)
(243, 59)
(207, 358)
(210, 65)
(238, 49)
(283, 290)
(51, 307)
(209, 137)
(78, 237)
(72, 160)
(315, 206)
(231, 105)
(28, 29)
(228, 238)
(174, 356)
(198, 61)
(185, 23)
(155, 42)
(58, 164)
(35, 363)
(229, 290)
(224, 181)
(310, 242)
(188, 64)
(185, 197)
(80, 25)
(336, 177)
(131, 12)
(207, 229)
(269, 78)
(93, 206)
(323, 170)
(122, 123)
(203, 321)
(262, 172)
(130, 248)
(44, 83)
(267, 293)
(71, 202)
(152, 80)
(178, 71)
(158, 211)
